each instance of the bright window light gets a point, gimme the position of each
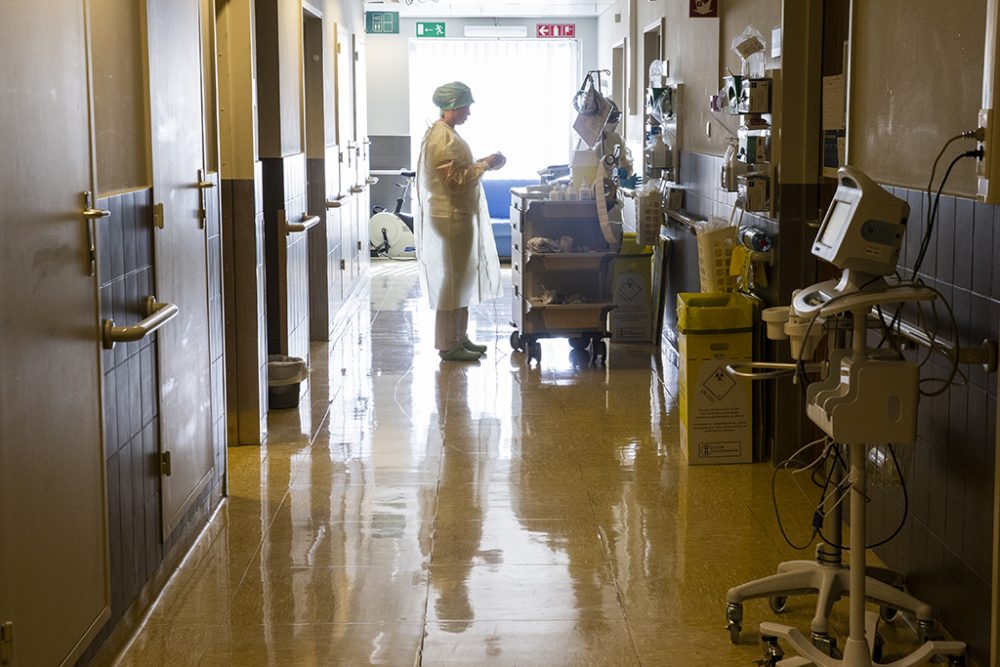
(524, 97)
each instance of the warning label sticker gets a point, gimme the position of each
(718, 384)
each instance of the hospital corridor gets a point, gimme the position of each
(413, 512)
(655, 333)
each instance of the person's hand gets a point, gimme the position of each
(496, 161)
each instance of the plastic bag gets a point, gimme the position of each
(749, 45)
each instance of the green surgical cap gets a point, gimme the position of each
(452, 96)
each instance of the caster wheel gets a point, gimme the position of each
(516, 343)
(579, 343)
(772, 652)
(734, 616)
(535, 351)
(600, 351)
(927, 631)
(887, 614)
(878, 647)
(779, 603)
(579, 358)
(826, 644)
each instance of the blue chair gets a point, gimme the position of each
(498, 200)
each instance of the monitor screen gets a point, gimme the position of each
(836, 220)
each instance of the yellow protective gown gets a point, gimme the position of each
(455, 246)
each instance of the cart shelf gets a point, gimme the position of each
(569, 261)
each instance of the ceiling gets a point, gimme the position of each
(491, 8)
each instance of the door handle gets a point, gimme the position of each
(357, 189)
(307, 222)
(338, 202)
(202, 185)
(90, 214)
(157, 314)
(371, 180)
(89, 211)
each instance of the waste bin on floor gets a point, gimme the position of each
(631, 278)
(284, 379)
(714, 330)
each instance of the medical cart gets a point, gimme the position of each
(562, 292)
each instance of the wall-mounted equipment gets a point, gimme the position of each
(660, 153)
(747, 167)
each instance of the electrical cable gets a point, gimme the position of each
(931, 215)
(902, 520)
(925, 243)
(802, 466)
(945, 382)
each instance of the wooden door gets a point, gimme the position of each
(180, 252)
(54, 587)
(363, 176)
(347, 141)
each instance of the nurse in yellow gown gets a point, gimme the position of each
(455, 247)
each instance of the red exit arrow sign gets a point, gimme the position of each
(555, 30)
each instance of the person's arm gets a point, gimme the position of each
(455, 174)
(453, 167)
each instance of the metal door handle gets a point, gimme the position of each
(371, 180)
(205, 185)
(157, 314)
(307, 222)
(338, 202)
(357, 189)
(89, 212)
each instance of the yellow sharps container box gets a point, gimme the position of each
(714, 330)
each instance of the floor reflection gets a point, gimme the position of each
(413, 511)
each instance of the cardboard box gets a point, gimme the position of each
(715, 408)
(632, 316)
(714, 330)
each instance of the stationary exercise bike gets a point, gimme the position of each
(392, 232)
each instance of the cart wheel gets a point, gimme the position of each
(600, 350)
(579, 343)
(535, 351)
(516, 342)
(579, 358)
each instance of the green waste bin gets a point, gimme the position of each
(714, 330)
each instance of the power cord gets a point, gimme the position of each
(925, 243)
(906, 504)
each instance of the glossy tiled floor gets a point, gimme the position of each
(419, 512)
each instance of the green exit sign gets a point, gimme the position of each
(430, 28)
(382, 23)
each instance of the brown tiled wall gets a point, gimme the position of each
(131, 395)
(245, 314)
(945, 547)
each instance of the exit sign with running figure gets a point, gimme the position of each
(555, 30)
